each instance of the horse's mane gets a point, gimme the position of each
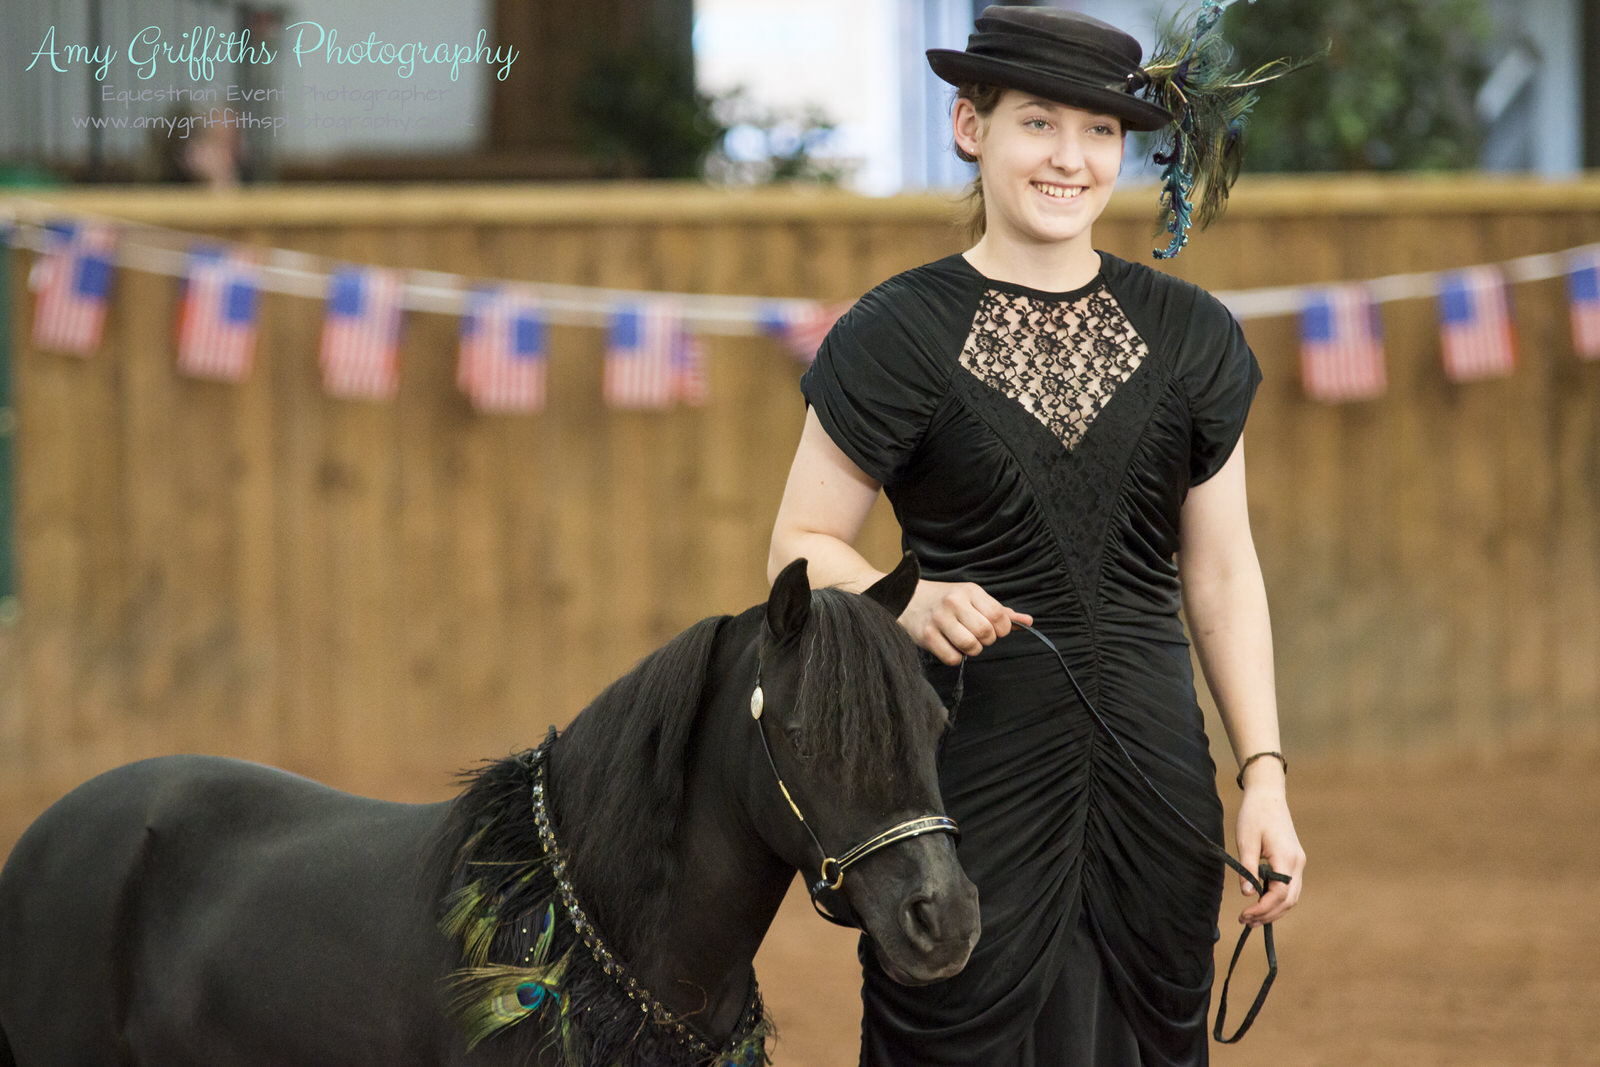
(626, 771)
(620, 799)
(859, 670)
(637, 736)
(626, 775)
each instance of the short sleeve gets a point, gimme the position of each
(877, 380)
(1220, 379)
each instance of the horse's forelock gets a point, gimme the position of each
(860, 672)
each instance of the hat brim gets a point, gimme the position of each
(959, 68)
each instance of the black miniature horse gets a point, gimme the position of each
(191, 910)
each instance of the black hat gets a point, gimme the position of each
(1061, 55)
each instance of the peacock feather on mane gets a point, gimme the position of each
(533, 969)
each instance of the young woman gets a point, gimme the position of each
(1060, 434)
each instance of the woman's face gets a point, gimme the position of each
(1048, 169)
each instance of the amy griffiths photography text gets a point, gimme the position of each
(153, 50)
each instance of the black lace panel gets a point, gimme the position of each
(1060, 360)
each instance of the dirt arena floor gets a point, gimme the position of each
(1451, 917)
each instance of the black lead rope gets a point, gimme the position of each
(1258, 883)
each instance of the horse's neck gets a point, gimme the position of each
(729, 883)
(730, 891)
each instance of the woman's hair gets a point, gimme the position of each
(984, 99)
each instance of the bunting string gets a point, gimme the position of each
(305, 274)
(654, 357)
(1279, 300)
(159, 250)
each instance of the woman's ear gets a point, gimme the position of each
(966, 125)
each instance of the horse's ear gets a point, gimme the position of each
(789, 605)
(894, 589)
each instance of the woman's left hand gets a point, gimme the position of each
(1266, 833)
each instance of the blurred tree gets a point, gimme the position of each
(602, 90)
(1395, 90)
(640, 112)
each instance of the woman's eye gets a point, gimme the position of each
(1037, 124)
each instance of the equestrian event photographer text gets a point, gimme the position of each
(203, 47)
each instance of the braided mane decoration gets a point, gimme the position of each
(1204, 146)
(565, 982)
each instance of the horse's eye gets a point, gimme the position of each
(797, 741)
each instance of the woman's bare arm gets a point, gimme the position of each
(1226, 604)
(825, 502)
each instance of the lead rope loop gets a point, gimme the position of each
(1258, 880)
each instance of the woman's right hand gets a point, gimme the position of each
(956, 619)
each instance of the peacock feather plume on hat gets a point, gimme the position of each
(1201, 151)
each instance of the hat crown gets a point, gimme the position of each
(1059, 55)
(1069, 28)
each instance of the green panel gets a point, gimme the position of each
(9, 604)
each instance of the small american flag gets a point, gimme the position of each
(503, 358)
(800, 324)
(1583, 285)
(1475, 325)
(220, 315)
(1341, 345)
(73, 283)
(689, 369)
(651, 358)
(361, 334)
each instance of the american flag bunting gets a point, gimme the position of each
(219, 316)
(652, 359)
(1341, 345)
(1583, 287)
(361, 334)
(1475, 325)
(72, 281)
(800, 325)
(503, 359)
(689, 369)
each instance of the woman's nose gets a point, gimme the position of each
(1068, 154)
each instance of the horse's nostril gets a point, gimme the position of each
(922, 921)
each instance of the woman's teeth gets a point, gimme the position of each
(1060, 192)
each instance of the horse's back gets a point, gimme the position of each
(64, 899)
(197, 909)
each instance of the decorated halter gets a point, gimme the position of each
(826, 897)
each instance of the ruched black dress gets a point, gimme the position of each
(1042, 444)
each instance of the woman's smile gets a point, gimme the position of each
(1059, 192)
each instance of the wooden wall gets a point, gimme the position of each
(377, 594)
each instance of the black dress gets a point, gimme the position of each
(1041, 444)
